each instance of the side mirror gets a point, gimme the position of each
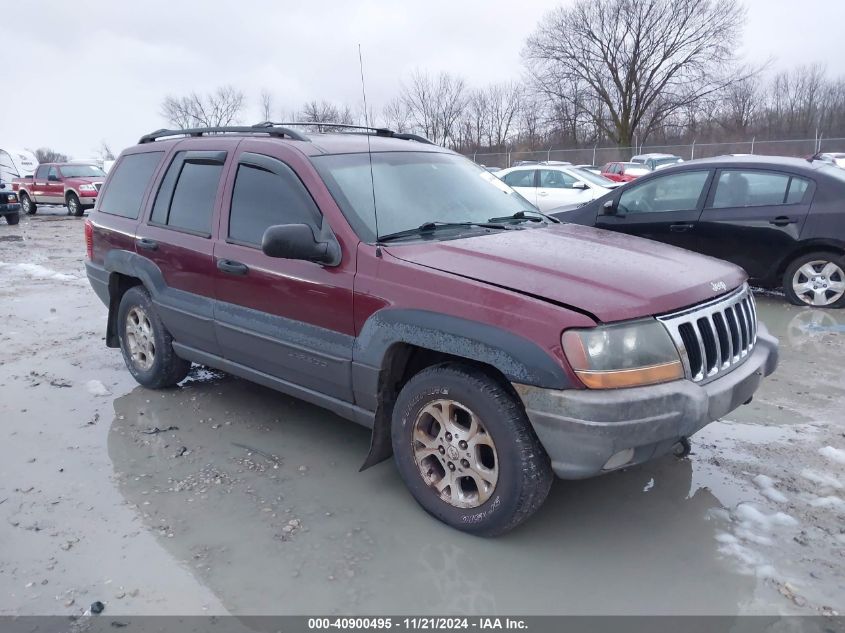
(609, 207)
(580, 185)
(297, 241)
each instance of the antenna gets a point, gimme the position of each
(369, 149)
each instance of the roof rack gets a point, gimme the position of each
(360, 129)
(271, 130)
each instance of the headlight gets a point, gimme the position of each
(12, 197)
(87, 188)
(623, 355)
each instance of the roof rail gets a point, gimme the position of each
(361, 129)
(271, 130)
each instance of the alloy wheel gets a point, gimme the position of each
(140, 339)
(819, 283)
(455, 454)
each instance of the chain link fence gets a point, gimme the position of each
(601, 155)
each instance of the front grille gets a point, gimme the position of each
(716, 336)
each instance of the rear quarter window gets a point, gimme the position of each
(124, 190)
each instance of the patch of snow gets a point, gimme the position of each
(767, 488)
(833, 454)
(97, 388)
(36, 271)
(202, 374)
(748, 514)
(649, 485)
(826, 502)
(823, 479)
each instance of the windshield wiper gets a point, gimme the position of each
(521, 215)
(431, 227)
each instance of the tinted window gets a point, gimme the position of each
(676, 192)
(797, 189)
(754, 188)
(263, 198)
(520, 178)
(41, 172)
(127, 184)
(53, 174)
(188, 192)
(555, 179)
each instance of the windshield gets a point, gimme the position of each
(659, 162)
(589, 176)
(414, 188)
(82, 171)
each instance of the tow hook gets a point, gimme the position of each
(682, 448)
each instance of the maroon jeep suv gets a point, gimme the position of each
(488, 347)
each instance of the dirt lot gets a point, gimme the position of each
(225, 497)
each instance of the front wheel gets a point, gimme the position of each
(28, 205)
(13, 218)
(817, 280)
(146, 344)
(73, 205)
(466, 450)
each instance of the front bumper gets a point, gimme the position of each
(582, 429)
(10, 208)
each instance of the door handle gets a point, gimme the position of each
(232, 267)
(145, 244)
(680, 227)
(542, 193)
(783, 220)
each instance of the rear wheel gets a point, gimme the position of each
(13, 218)
(466, 450)
(817, 280)
(146, 344)
(28, 205)
(73, 205)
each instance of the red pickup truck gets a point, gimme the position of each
(72, 185)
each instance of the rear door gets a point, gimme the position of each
(290, 319)
(663, 208)
(524, 181)
(753, 217)
(177, 238)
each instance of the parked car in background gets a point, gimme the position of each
(68, 184)
(656, 161)
(834, 158)
(9, 206)
(487, 347)
(624, 172)
(781, 219)
(550, 186)
(491, 169)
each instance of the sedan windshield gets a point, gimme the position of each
(671, 160)
(590, 177)
(82, 171)
(415, 188)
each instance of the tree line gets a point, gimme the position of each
(596, 72)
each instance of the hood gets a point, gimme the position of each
(609, 275)
(86, 180)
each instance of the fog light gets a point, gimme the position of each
(619, 459)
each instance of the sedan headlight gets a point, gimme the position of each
(87, 188)
(622, 355)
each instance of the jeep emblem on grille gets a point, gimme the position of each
(718, 286)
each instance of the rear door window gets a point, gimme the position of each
(757, 188)
(188, 191)
(125, 188)
(267, 192)
(520, 178)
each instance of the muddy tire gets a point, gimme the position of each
(13, 218)
(466, 450)
(146, 344)
(816, 280)
(74, 207)
(28, 205)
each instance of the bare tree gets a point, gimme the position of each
(396, 116)
(640, 60)
(219, 108)
(435, 104)
(47, 155)
(325, 112)
(266, 105)
(105, 152)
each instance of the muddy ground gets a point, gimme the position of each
(225, 497)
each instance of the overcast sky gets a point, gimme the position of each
(77, 73)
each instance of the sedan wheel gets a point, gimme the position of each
(819, 282)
